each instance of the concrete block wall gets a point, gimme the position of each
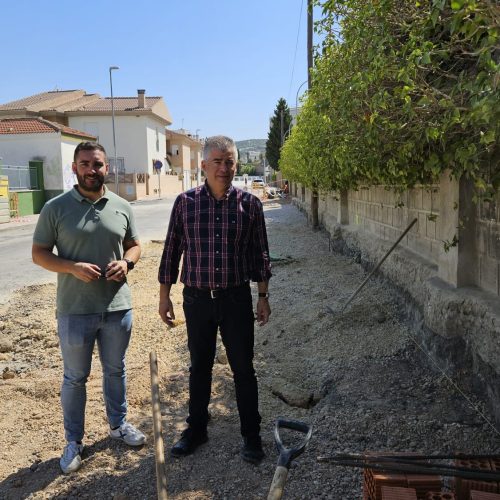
(443, 211)
(451, 292)
(488, 244)
(328, 209)
(385, 213)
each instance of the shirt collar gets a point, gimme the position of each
(206, 190)
(76, 194)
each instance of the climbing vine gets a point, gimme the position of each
(401, 92)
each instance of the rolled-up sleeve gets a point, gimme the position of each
(172, 251)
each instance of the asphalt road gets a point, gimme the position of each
(17, 269)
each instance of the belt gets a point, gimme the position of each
(216, 293)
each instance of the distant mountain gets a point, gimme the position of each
(251, 146)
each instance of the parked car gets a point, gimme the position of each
(258, 184)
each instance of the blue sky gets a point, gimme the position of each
(221, 66)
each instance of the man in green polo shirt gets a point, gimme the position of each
(97, 245)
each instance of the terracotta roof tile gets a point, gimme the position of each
(38, 126)
(119, 103)
(43, 101)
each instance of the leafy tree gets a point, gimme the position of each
(404, 91)
(280, 124)
(247, 169)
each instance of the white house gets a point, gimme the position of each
(140, 123)
(26, 139)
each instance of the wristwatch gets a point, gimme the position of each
(130, 264)
(263, 295)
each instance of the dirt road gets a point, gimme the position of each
(357, 378)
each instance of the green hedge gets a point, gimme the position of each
(402, 90)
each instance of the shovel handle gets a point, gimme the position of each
(288, 454)
(278, 484)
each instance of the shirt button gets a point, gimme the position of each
(217, 270)
(234, 222)
(217, 235)
(217, 251)
(217, 218)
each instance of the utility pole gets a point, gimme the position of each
(314, 194)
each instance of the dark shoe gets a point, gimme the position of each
(252, 449)
(188, 443)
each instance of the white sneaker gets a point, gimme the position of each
(129, 434)
(71, 459)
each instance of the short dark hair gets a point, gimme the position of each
(89, 146)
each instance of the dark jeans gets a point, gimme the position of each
(232, 312)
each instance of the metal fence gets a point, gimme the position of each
(21, 177)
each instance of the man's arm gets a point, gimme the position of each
(263, 307)
(166, 308)
(169, 263)
(43, 256)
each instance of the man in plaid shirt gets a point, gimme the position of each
(221, 233)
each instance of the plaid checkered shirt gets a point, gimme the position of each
(223, 242)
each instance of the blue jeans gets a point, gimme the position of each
(77, 336)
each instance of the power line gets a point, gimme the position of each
(295, 54)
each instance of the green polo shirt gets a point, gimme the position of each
(86, 231)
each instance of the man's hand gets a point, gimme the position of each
(116, 270)
(263, 311)
(85, 271)
(166, 311)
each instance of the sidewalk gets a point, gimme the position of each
(15, 222)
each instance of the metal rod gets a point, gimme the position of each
(420, 468)
(161, 476)
(379, 264)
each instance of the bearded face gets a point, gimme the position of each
(90, 169)
(91, 182)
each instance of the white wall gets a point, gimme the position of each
(19, 149)
(135, 138)
(155, 136)
(68, 145)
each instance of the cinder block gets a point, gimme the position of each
(415, 198)
(430, 228)
(426, 200)
(488, 274)
(488, 210)
(435, 199)
(494, 242)
(482, 235)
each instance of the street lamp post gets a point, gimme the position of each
(297, 99)
(111, 68)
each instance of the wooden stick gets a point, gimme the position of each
(161, 476)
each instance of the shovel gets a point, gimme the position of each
(286, 454)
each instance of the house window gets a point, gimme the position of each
(157, 140)
(175, 150)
